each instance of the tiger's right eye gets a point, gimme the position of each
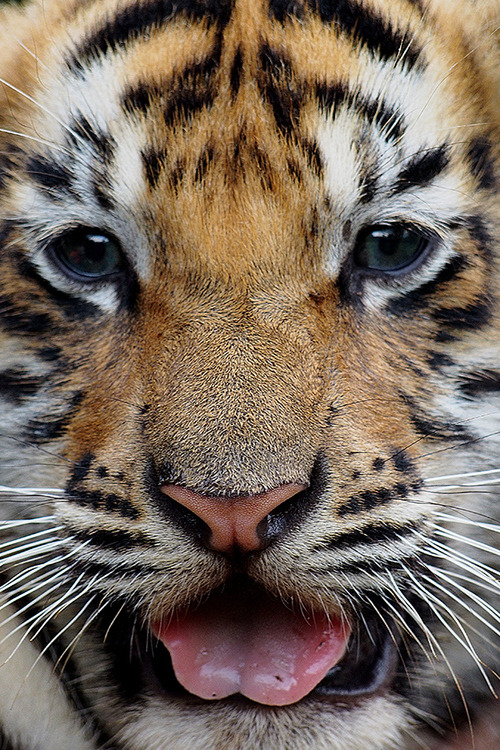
(87, 254)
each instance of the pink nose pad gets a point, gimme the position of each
(233, 521)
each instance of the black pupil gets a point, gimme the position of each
(389, 248)
(88, 253)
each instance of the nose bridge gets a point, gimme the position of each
(237, 400)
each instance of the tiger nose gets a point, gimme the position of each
(233, 521)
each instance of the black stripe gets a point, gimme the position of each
(402, 462)
(102, 143)
(417, 298)
(81, 468)
(192, 90)
(153, 163)
(17, 316)
(368, 29)
(46, 428)
(181, 97)
(236, 73)
(373, 533)
(365, 501)
(480, 236)
(52, 176)
(117, 540)
(281, 10)
(102, 195)
(438, 360)
(139, 18)
(429, 426)
(279, 90)
(482, 162)
(100, 501)
(333, 96)
(473, 316)
(204, 162)
(423, 168)
(474, 384)
(17, 384)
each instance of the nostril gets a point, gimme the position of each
(285, 517)
(241, 522)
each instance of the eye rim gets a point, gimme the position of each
(52, 250)
(427, 238)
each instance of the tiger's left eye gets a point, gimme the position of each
(389, 248)
(87, 254)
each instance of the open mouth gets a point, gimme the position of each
(241, 641)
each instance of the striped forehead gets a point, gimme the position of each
(140, 81)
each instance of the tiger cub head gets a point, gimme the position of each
(249, 331)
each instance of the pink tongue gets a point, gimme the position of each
(252, 646)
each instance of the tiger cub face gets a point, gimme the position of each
(250, 373)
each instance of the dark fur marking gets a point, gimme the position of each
(191, 91)
(402, 462)
(313, 155)
(81, 468)
(47, 428)
(401, 490)
(481, 236)
(476, 384)
(103, 198)
(204, 162)
(117, 540)
(17, 384)
(235, 73)
(418, 298)
(136, 20)
(473, 316)
(423, 168)
(100, 501)
(365, 501)
(17, 316)
(437, 360)
(53, 177)
(378, 464)
(102, 472)
(368, 187)
(437, 429)
(482, 163)
(368, 28)
(102, 143)
(142, 96)
(153, 163)
(331, 97)
(281, 10)
(188, 91)
(429, 427)
(373, 533)
(51, 353)
(278, 90)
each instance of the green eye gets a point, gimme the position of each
(88, 253)
(389, 248)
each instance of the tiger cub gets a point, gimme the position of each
(249, 375)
